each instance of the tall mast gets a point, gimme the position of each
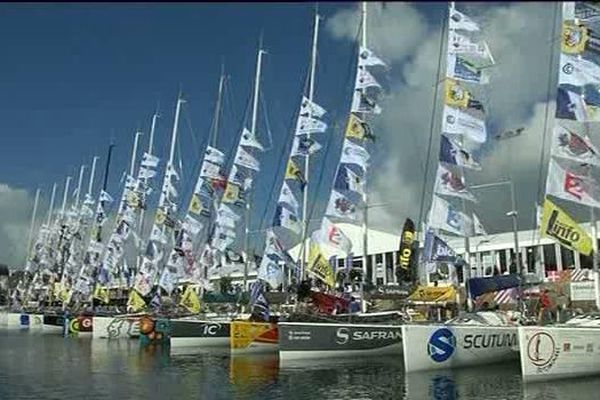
(104, 185)
(365, 196)
(32, 225)
(180, 101)
(150, 149)
(253, 132)
(79, 183)
(311, 91)
(92, 175)
(65, 194)
(134, 153)
(52, 197)
(214, 133)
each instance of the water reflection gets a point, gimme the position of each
(583, 388)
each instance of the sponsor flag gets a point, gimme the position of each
(319, 266)
(445, 216)
(557, 224)
(209, 170)
(457, 96)
(270, 271)
(463, 45)
(353, 153)
(478, 226)
(241, 178)
(101, 293)
(406, 245)
(155, 302)
(311, 108)
(249, 140)
(293, 172)
(452, 153)
(361, 103)
(245, 159)
(460, 21)
(570, 105)
(366, 58)
(307, 125)
(146, 173)
(437, 250)
(457, 122)
(365, 80)
(286, 196)
(333, 236)
(287, 219)
(358, 129)
(570, 145)
(190, 300)
(573, 185)
(135, 302)
(304, 146)
(233, 195)
(450, 183)
(149, 161)
(341, 207)
(346, 179)
(105, 197)
(578, 71)
(574, 38)
(214, 155)
(459, 68)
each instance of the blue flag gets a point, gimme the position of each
(437, 250)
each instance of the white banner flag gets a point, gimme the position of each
(573, 185)
(354, 154)
(457, 122)
(573, 146)
(249, 140)
(245, 159)
(450, 183)
(445, 216)
(366, 58)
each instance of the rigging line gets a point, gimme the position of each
(432, 123)
(540, 187)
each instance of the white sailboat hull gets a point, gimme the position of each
(431, 347)
(559, 352)
(118, 327)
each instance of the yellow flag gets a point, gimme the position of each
(232, 193)
(65, 295)
(574, 38)
(355, 128)
(559, 225)
(195, 205)
(293, 172)
(101, 293)
(319, 266)
(133, 200)
(160, 216)
(456, 95)
(190, 300)
(135, 301)
(433, 293)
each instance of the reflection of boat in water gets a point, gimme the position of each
(247, 371)
(567, 350)
(562, 389)
(471, 383)
(472, 339)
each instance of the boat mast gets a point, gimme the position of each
(104, 185)
(134, 152)
(32, 225)
(79, 183)
(253, 132)
(365, 199)
(311, 90)
(214, 133)
(150, 145)
(65, 194)
(52, 197)
(92, 174)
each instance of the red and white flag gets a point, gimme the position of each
(573, 146)
(573, 184)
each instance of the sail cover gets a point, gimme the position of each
(479, 286)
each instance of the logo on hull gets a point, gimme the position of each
(441, 345)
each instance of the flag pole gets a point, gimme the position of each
(595, 256)
(365, 198)
(253, 132)
(32, 225)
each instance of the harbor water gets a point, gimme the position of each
(42, 366)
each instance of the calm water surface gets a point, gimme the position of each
(38, 366)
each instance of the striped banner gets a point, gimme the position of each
(569, 275)
(505, 296)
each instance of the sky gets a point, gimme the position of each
(74, 77)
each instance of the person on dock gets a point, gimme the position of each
(545, 304)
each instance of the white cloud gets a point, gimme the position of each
(15, 213)
(519, 36)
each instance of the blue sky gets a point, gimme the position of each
(73, 75)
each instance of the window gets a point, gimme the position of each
(549, 258)
(586, 261)
(389, 267)
(502, 261)
(487, 263)
(370, 272)
(531, 257)
(567, 258)
(512, 263)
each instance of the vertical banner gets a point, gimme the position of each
(406, 250)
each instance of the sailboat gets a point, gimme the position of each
(571, 349)
(472, 338)
(342, 335)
